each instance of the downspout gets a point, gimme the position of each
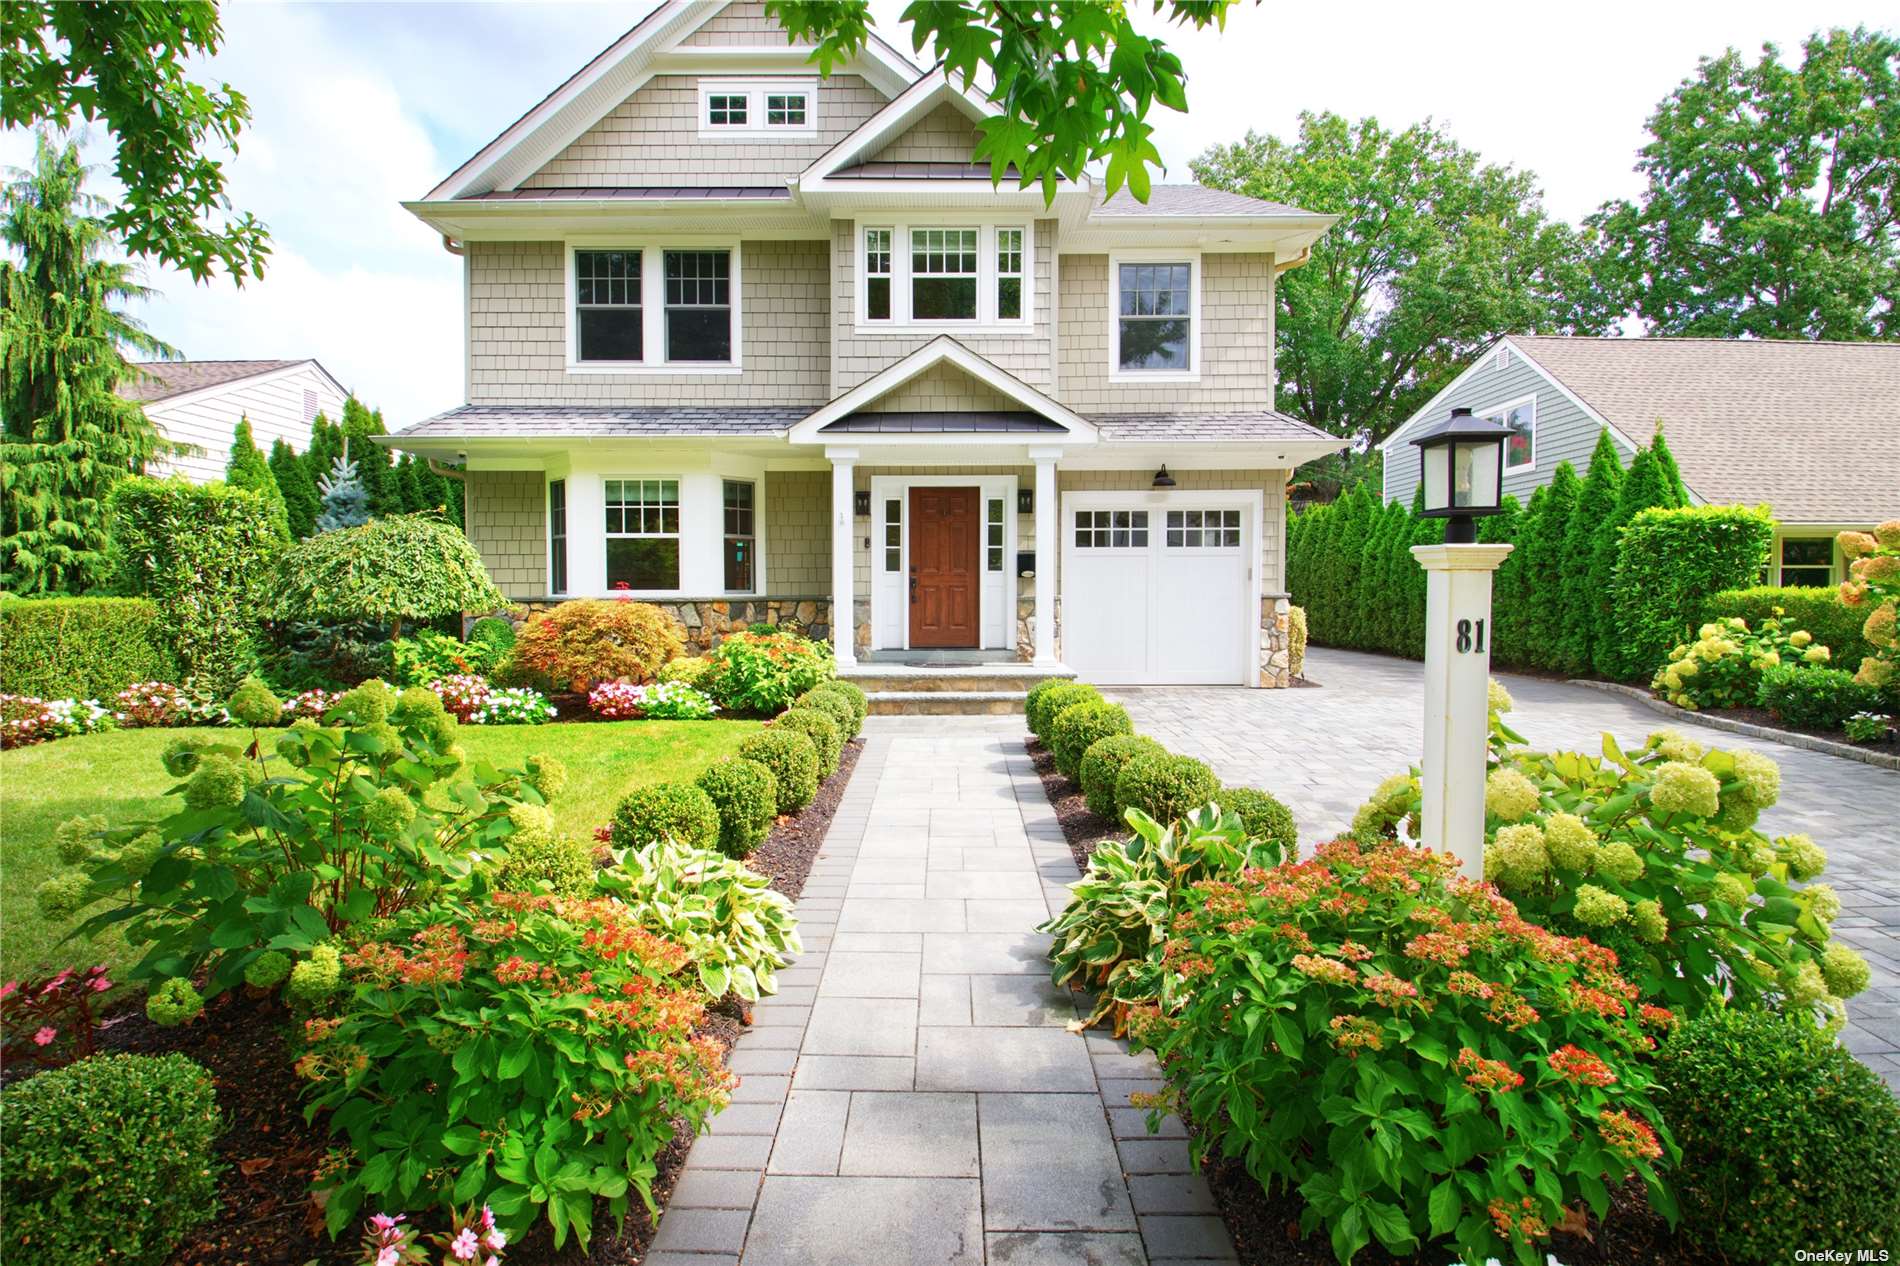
(452, 246)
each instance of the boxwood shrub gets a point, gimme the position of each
(1166, 788)
(1047, 698)
(1102, 765)
(1263, 815)
(851, 693)
(822, 730)
(107, 1160)
(793, 760)
(1788, 1142)
(1811, 698)
(1079, 725)
(745, 794)
(81, 648)
(665, 810)
(837, 706)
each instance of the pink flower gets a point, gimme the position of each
(388, 1257)
(495, 1239)
(464, 1245)
(492, 1261)
(9, 989)
(100, 984)
(488, 1220)
(45, 1036)
(383, 1222)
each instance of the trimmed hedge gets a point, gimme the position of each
(1078, 726)
(1102, 765)
(81, 648)
(843, 713)
(793, 760)
(851, 692)
(1820, 611)
(108, 1160)
(1263, 815)
(1667, 559)
(1166, 788)
(665, 810)
(1812, 698)
(745, 794)
(823, 732)
(1047, 698)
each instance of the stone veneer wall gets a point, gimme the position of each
(709, 621)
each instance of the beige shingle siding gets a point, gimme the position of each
(507, 524)
(854, 358)
(517, 332)
(743, 25)
(1234, 354)
(942, 388)
(652, 138)
(798, 533)
(944, 135)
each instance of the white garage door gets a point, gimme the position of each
(1157, 587)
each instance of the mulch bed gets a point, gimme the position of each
(1763, 717)
(1080, 826)
(265, 1215)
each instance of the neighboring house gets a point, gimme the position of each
(752, 343)
(199, 402)
(1811, 430)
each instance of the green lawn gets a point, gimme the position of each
(118, 774)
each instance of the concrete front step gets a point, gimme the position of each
(960, 679)
(936, 702)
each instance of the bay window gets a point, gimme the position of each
(557, 536)
(643, 534)
(741, 540)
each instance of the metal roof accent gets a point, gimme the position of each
(526, 421)
(1262, 426)
(929, 423)
(634, 193)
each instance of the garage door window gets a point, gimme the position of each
(1111, 529)
(1203, 529)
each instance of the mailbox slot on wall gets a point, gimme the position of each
(1026, 563)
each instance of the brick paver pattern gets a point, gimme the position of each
(911, 1094)
(1322, 750)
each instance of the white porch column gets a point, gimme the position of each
(1458, 634)
(1048, 521)
(844, 606)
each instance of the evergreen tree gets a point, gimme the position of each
(1371, 596)
(248, 469)
(299, 490)
(1510, 609)
(1356, 510)
(1585, 604)
(345, 501)
(1425, 531)
(1543, 548)
(375, 468)
(65, 435)
(1650, 481)
(1322, 621)
(1667, 471)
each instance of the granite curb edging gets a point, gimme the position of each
(1788, 738)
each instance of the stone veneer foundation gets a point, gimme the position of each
(709, 621)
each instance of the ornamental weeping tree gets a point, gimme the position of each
(67, 436)
(402, 568)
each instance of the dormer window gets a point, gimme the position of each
(956, 275)
(758, 109)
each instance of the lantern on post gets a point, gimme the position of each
(1461, 472)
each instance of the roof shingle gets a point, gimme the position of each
(160, 379)
(1192, 201)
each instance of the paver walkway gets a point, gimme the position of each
(911, 1094)
(1323, 750)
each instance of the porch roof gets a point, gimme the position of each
(943, 423)
(541, 422)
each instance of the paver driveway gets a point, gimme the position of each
(1322, 750)
(911, 1094)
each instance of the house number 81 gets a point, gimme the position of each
(1465, 642)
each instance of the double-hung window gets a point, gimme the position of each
(1807, 560)
(1154, 317)
(1009, 274)
(557, 536)
(877, 274)
(698, 305)
(643, 534)
(608, 319)
(943, 274)
(741, 549)
(648, 308)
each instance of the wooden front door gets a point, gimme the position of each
(945, 547)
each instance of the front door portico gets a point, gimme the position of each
(945, 553)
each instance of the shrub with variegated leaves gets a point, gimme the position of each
(737, 931)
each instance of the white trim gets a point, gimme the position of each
(1783, 535)
(901, 226)
(924, 95)
(757, 483)
(988, 488)
(1501, 411)
(1158, 255)
(1484, 361)
(249, 380)
(652, 250)
(755, 90)
(940, 349)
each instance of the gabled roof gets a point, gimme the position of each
(158, 380)
(899, 114)
(943, 349)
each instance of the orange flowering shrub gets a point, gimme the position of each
(580, 644)
(529, 1054)
(763, 672)
(1399, 1046)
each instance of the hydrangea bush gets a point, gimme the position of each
(1404, 1050)
(1722, 668)
(1873, 584)
(1656, 854)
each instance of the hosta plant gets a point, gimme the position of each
(1109, 937)
(1406, 1052)
(1722, 668)
(557, 1050)
(1656, 854)
(276, 843)
(736, 930)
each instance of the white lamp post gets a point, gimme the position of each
(1461, 472)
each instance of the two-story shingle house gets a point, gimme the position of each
(747, 341)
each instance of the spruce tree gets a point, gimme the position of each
(345, 501)
(1585, 605)
(65, 435)
(1543, 548)
(248, 469)
(299, 490)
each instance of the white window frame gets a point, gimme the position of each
(653, 305)
(677, 535)
(757, 511)
(755, 91)
(1190, 257)
(1497, 413)
(548, 481)
(1780, 562)
(900, 320)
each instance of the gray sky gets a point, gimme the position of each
(357, 105)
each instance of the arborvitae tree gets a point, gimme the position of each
(374, 465)
(326, 445)
(1585, 604)
(1322, 621)
(299, 490)
(1666, 469)
(1356, 508)
(1510, 608)
(345, 502)
(1648, 482)
(1296, 556)
(248, 469)
(1424, 532)
(1371, 597)
(1543, 548)
(65, 435)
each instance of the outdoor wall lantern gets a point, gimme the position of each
(1025, 501)
(1461, 470)
(861, 503)
(1163, 479)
